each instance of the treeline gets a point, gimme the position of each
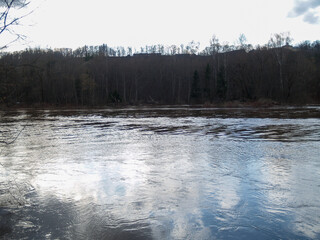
(102, 75)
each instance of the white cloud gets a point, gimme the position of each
(311, 17)
(309, 9)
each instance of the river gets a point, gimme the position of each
(160, 173)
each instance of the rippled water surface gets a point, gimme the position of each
(146, 173)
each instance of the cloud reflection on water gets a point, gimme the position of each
(290, 174)
(114, 175)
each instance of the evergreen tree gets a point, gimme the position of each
(206, 89)
(195, 88)
(221, 84)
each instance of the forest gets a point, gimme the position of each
(101, 75)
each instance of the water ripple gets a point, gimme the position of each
(161, 173)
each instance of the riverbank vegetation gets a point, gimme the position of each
(100, 75)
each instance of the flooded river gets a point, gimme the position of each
(160, 173)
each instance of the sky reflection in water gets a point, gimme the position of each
(161, 175)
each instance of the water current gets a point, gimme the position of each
(160, 173)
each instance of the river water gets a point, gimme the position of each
(160, 173)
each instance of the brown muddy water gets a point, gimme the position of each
(160, 173)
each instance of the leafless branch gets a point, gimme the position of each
(9, 18)
(13, 140)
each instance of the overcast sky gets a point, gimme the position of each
(74, 23)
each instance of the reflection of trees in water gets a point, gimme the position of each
(10, 140)
(13, 192)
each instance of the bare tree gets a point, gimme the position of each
(215, 49)
(11, 12)
(242, 43)
(277, 43)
